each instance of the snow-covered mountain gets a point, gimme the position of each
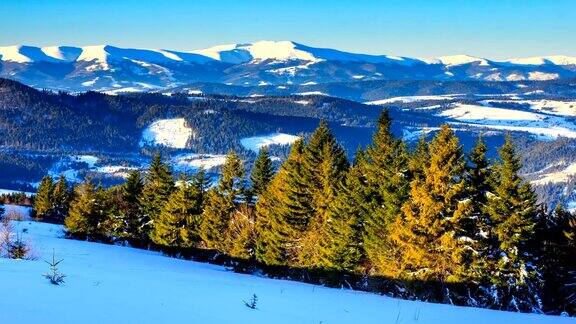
(111, 68)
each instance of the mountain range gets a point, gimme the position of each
(115, 69)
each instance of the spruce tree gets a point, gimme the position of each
(60, 200)
(512, 207)
(221, 202)
(324, 168)
(85, 214)
(43, 201)
(126, 221)
(340, 247)
(386, 170)
(158, 187)
(283, 211)
(262, 172)
(240, 234)
(178, 222)
(424, 242)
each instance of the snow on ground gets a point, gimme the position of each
(554, 107)
(257, 142)
(408, 99)
(561, 176)
(17, 211)
(168, 132)
(115, 170)
(310, 93)
(544, 126)
(194, 161)
(113, 284)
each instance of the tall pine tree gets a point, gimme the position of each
(386, 170)
(43, 201)
(221, 202)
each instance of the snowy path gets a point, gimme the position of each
(111, 284)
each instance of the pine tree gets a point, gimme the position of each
(43, 201)
(158, 187)
(386, 170)
(240, 234)
(177, 224)
(324, 168)
(60, 200)
(424, 241)
(262, 172)
(221, 202)
(283, 211)
(86, 211)
(513, 211)
(341, 245)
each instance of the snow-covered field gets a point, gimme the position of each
(542, 125)
(193, 161)
(168, 132)
(113, 284)
(257, 142)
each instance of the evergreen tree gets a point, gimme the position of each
(340, 247)
(513, 212)
(60, 200)
(177, 224)
(283, 211)
(424, 241)
(43, 201)
(262, 172)
(240, 234)
(87, 211)
(158, 187)
(324, 168)
(386, 170)
(221, 202)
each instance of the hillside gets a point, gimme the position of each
(111, 283)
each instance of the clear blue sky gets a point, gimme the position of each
(489, 28)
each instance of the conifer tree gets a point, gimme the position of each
(386, 170)
(158, 187)
(177, 224)
(512, 208)
(240, 234)
(424, 240)
(60, 200)
(221, 202)
(126, 221)
(86, 211)
(43, 201)
(324, 168)
(262, 172)
(340, 246)
(283, 211)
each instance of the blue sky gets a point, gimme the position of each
(489, 28)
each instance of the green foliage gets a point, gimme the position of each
(158, 187)
(262, 172)
(386, 170)
(178, 222)
(88, 211)
(43, 203)
(221, 202)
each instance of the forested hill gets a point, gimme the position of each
(48, 121)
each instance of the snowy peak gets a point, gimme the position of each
(543, 60)
(287, 51)
(453, 60)
(259, 51)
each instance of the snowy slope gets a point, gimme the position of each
(542, 125)
(112, 284)
(257, 142)
(167, 132)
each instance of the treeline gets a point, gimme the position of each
(433, 223)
